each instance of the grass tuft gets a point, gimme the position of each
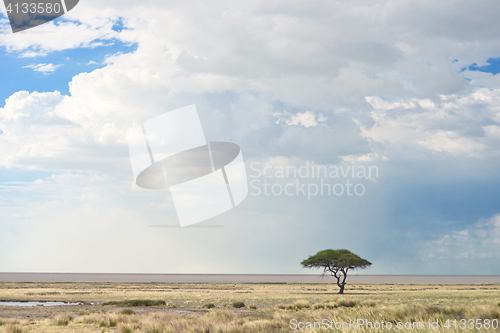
(209, 305)
(125, 329)
(127, 312)
(238, 305)
(301, 304)
(348, 304)
(13, 329)
(63, 320)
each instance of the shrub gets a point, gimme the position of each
(238, 305)
(136, 302)
(209, 306)
(127, 312)
(348, 304)
(253, 307)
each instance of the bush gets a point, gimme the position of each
(253, 307)
(209, 306)
(136, 302)
(238, 305)
(127, 312)
(348, 304)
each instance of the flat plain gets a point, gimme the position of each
(270, 307)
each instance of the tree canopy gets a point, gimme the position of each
(337, 263)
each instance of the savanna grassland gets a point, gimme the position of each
(152, 308)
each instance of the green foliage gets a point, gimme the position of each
(127, 312)
(253, 307)
(136, 302)
(335, 259)
(209, 306)
(238, 305)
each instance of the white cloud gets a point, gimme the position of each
(460, 125)
(32, 54)
(306, 119)
(51, 37)
(366, 158)
(44, 68)
(479, 241)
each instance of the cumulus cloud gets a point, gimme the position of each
(479, 241)
(62, 35)
(458, 124)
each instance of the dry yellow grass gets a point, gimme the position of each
(274, 307)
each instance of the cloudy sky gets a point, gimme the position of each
(409, 87)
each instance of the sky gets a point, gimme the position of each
(410, 89)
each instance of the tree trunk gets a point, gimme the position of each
(341, 291)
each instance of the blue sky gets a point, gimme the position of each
(340, 85)
(69, 63)
(492, 66)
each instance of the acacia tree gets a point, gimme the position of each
(337, 263)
